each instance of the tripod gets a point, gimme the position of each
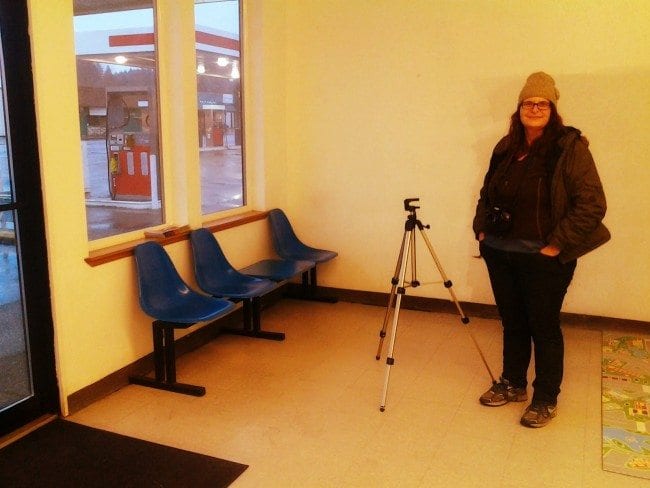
(407, 253)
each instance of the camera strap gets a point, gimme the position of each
(522, 177)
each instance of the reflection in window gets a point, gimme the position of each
(218, 65)
(116, 79)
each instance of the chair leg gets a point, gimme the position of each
(169, 353)
(164, 357)
(313, 282)
(257, 313)
(309, 289)
(252, 325)
(248, 314)
(257, 321)
(158, 352)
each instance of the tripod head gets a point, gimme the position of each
(412, 219)
(407, 204)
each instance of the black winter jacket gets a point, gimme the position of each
(578, 202)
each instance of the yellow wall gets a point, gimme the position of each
(393, 99)
(350, 108)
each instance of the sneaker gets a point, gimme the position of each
(538, 414)
(501, 393)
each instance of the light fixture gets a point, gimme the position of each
(221, 61)
(200, 69)
(235, 70)
(120, 59)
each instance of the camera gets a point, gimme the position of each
(498, 220)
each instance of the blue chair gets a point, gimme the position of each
(216, 276)
(288, 246)
(166, 298)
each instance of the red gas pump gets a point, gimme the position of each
(128, 139)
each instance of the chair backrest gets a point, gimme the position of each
(285, 241)
(158, 280)
(211, 267)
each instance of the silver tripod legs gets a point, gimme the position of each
(391, 298)
(398, 289)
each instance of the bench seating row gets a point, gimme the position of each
(164, 296)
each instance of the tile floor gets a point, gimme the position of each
(305, 412)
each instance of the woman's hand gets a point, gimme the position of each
(550, 251)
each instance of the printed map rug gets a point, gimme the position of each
(626, 404)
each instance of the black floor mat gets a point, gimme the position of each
(63, 453)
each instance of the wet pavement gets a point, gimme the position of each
(221, 187)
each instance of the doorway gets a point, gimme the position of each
(28, 386)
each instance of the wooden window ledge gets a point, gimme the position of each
(119, 251)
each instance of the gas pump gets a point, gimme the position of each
(129, 144)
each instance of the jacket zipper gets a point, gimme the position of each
(539, 225)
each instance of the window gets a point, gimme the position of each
(218, 58)
(117, 88)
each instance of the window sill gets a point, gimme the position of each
(113, 253)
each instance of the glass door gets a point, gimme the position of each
(15, 381)
(28, 386)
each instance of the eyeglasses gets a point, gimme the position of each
(543, 105)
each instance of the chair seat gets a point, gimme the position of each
(277, 269)
(216, 276)
(163, 293)
(316, 255)
(192, 308)
(287, 244)
(241, 286)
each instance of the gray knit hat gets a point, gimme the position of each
(540, 85)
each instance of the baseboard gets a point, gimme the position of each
(114, 381)
(478, 310)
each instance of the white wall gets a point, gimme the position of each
(387, 100)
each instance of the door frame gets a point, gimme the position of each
(30, 235)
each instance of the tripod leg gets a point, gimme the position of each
(400, 291)
(391, 298)
(446, 281)
(413, 255)
(448, 284)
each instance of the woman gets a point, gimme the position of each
(540, 208)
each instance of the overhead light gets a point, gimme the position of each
(120, 59)
(235, 70)
(200, 69)
(221, 61)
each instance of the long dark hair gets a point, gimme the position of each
(517, 144)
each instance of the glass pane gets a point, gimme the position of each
(118, 116)
(15, 380)
(6, 195)
(219, 105)
(15, 372)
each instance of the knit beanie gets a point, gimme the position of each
(540, 85)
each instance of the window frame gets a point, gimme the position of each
(159, 211)
(178, 184)
(246, 197)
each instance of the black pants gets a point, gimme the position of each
(529, 290)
